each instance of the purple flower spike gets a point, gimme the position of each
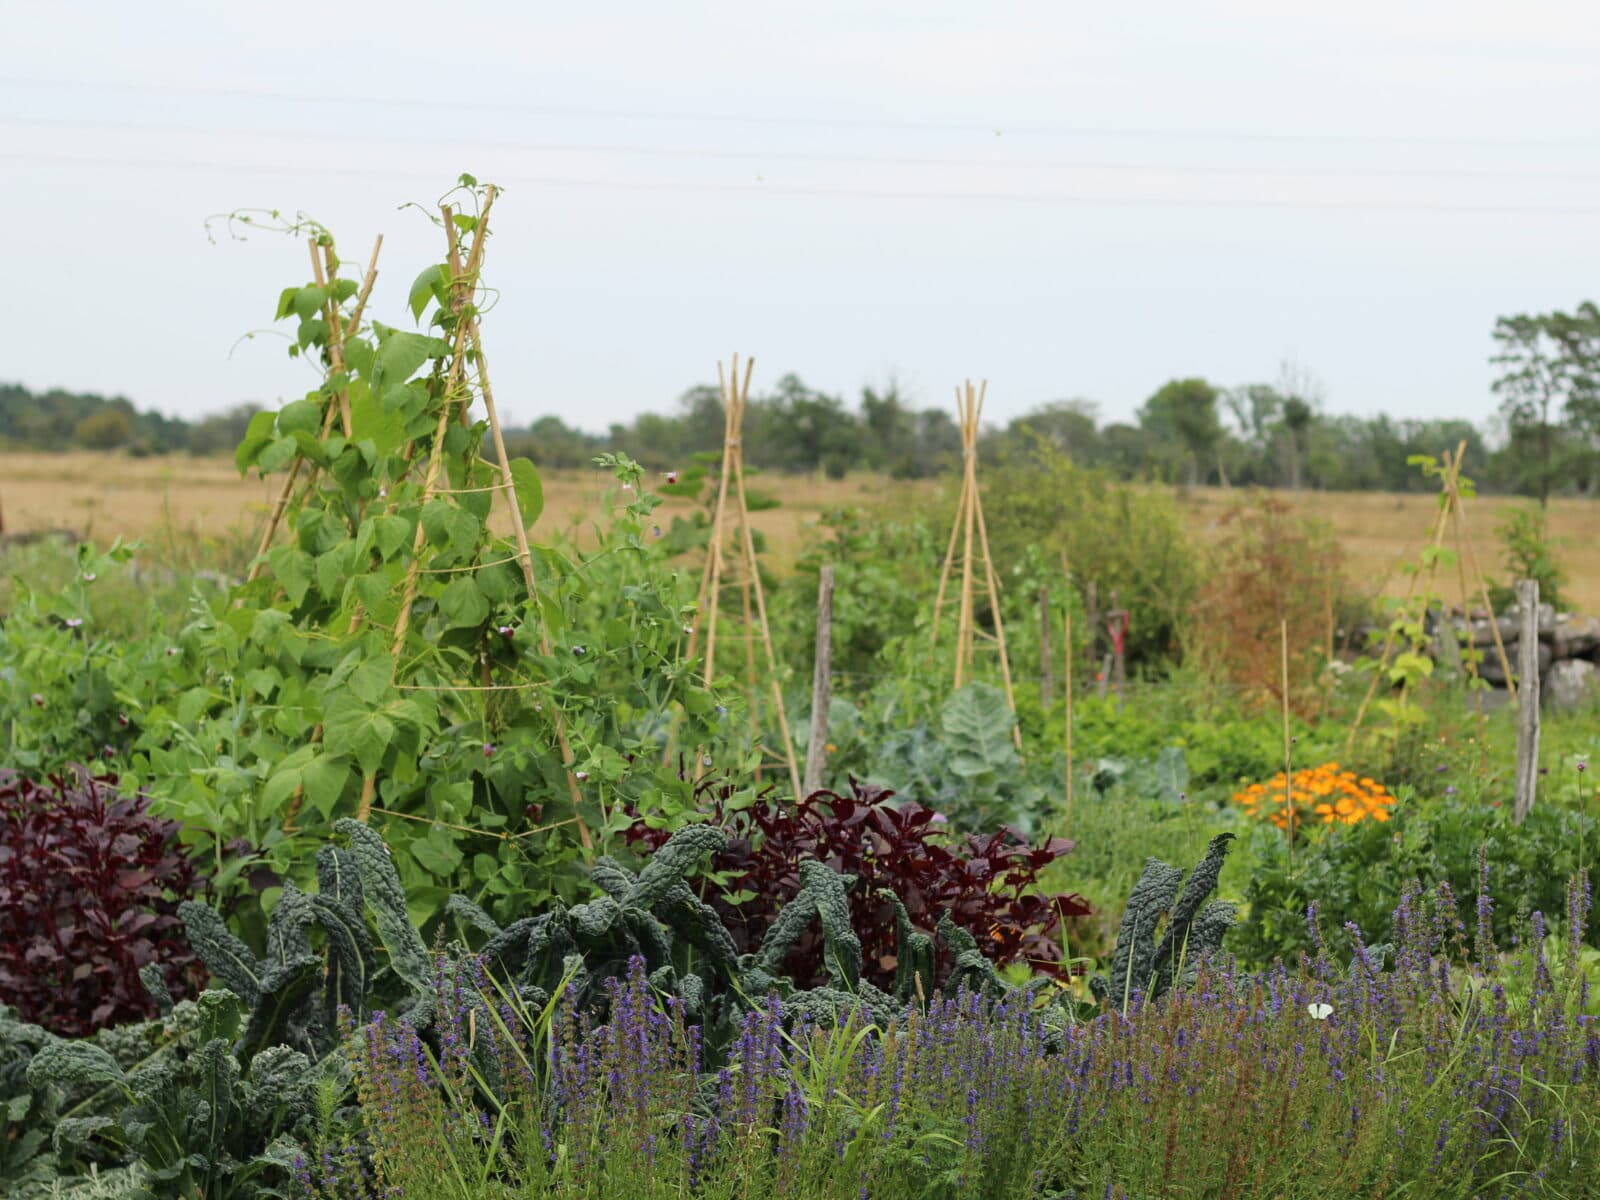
(488, 749)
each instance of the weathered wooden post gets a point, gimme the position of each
(821, 684)
(1527, 699)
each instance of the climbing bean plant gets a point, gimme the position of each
(400, 653)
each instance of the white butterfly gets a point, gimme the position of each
(1320, 1012)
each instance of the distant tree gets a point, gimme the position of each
(1183, 414)
(108, 429)
(1067, 425)
(1297, 419)
(890, 431)
(1550, 378)
(220, 432)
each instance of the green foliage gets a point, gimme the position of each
(320, 954)
(962, 762)
(688, 953)
(26, 1113)
(881, 567)
(1183, 417)
(1128, 541)
(511, 725)
(1549, 389)
(1355, 873)
(1530, 553)
(1190, 931)
(196, 1120)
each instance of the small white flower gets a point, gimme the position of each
(1319, 1012)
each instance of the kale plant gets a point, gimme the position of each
(294, 992)
(1151, 956)
(196, 1120)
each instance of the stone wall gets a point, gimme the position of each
(1569, 651)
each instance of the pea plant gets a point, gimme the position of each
(401, 653)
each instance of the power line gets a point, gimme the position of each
(762, 156)
(986, 128)
(757, 189)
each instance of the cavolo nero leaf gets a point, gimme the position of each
(230, 961)
(408, 957)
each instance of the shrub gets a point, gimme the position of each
(90, 885)
(1125, 539)
(1530, 553)
(984, 883)
(1269, 568)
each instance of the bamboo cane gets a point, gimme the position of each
(454, 384)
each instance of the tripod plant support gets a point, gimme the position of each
(971, 534)
(732, 515)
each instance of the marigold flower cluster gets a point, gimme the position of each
(1327, 794)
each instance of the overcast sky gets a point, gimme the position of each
(1066, 199)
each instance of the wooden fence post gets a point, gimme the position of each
(1527, 699)
(821, 684)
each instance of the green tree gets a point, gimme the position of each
(108, 429)
(1183, 414)
(1296, 420)
(1549, 388)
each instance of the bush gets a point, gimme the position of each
(1530, 553)
(985, 883)
(90, 886)
(1124, 539)
(1269, 567)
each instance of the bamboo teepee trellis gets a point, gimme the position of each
(971, 534)
(732, 515)
(468, 377)
(1452, 518)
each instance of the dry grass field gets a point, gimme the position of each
(203, 502)
(1381, 531)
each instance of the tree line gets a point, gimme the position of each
(1544, 441)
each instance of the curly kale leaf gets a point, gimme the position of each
(786, 929)
(841, 948)
(287, 939)
(351, 961)
(1185, 942)
(673, 863)
(73, 1064)
(339, 881)
(914, 956)
(698, 924)
(1141, 963)
(230, 961)
(380, 882)
(611, 877)
(468, 916)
